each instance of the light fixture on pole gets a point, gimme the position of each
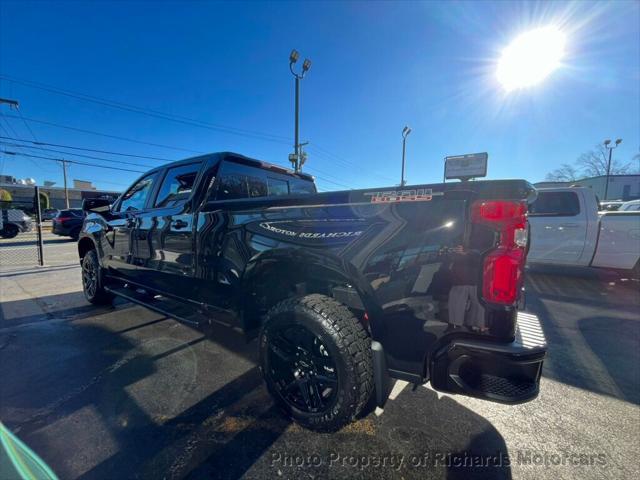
(607, 144)
(405, 133)
(306, 65)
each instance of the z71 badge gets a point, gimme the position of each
(414, 195)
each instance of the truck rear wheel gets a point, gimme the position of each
(316, 360)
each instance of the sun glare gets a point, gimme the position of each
(530, 58)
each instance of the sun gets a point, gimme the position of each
(531, 57)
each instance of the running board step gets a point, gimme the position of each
(176, 309)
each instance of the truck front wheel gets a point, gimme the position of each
(93, 281)
(316, 360)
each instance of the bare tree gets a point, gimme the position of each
(594, 163)
(566, 173)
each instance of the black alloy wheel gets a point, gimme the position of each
(315, 357)
(301, 369)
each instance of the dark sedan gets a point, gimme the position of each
(67, 223)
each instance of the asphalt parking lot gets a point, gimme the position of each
(122, 392)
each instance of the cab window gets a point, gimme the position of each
(136, 197)
(561, 204)
(240, 181)
(277, 186)
(177, 185)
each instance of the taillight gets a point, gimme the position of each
(62, 219)
(504, 264)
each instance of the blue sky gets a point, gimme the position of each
(376, 67)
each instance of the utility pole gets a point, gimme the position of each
(607, 142)
(66, 190)
(295, 159)
(405, 133)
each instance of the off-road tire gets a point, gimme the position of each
(97, 294)
(346, 341)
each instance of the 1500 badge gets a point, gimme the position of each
(414, 195)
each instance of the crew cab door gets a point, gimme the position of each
(164, 234)
(120, 245)
(558, 227)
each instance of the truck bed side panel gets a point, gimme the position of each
(619, 240)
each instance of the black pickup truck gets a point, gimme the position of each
(345, 290)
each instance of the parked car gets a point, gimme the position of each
(50, 213)
(631, 206)
(610, 205)
(68, 223)
(345, 290)
(566, 229)
(14, 221)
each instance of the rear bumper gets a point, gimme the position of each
(505, 373)
(61, 230)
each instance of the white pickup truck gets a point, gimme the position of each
(567, 229)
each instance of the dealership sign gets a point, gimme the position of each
(466, 166)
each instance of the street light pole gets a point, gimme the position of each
(405, 133)
(607, 144)
(306, 65)
(296, 140)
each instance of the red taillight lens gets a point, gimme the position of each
(498, 211)
(503, 266)
(502, 275)
(61, 219)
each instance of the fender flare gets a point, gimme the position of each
(318, 261)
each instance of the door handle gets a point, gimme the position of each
(179, 224)
(570, 225)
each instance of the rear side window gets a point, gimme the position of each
(177, 185)
(560, 204)
(277, 186)
(240, 181)
(243, 181)
(301, 186)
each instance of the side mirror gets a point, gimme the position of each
(97, 205)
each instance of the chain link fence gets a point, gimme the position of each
(24, 241)
(19, 241)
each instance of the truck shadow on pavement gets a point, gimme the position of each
(126, 393)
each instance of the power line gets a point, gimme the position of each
(26, 124)
(177, 118)
(87, 149)
(326, 179)
(107, 135)
(150, 112)
(70, 161)
(4, 116)
(77, 154)
(323, 152)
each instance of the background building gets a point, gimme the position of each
(621, 187)
(21, 195)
